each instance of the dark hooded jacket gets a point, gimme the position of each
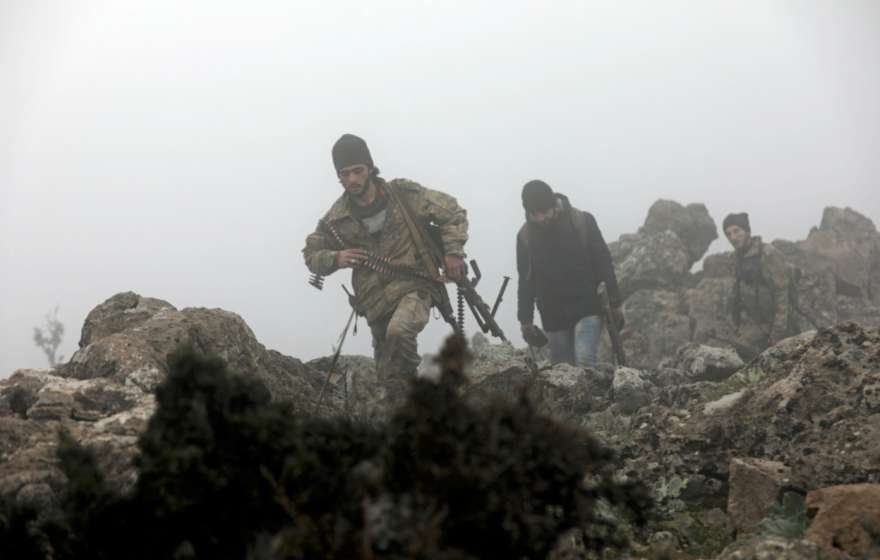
(560, 269)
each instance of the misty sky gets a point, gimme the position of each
(181, 150)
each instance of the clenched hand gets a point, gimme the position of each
(453, 267)
(349, 258)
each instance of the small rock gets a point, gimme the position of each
(707, 363)
(871, 397)
(563, 375)
(772, 548)
(723, 404)
(754, 486)
(847, 519)
(631, 391)
(51, 405)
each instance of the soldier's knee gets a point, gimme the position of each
(399, 332)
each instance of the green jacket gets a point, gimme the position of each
(377, 295)
(763, 289)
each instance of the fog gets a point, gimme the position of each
(181, 150)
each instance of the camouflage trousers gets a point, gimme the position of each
(395, 347)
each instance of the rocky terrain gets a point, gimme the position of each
(666, 305)
(777, 458)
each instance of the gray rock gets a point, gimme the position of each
(564, 375)
(754, 486)
(846, 223)
(692, 224)
(817, 287)
(848, 244)
(871, 397)
(19, 391)
(719, 265)
(656, 327)
(630, 389)
(121, 312)
(723, 404)
(103, 395)
(708, 306)
(563, 391)
(649, 261)
(666, 376)
(130, 337)
(707, 363)
(772, 548)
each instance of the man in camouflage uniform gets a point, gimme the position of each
(368, 223)
(762, 304)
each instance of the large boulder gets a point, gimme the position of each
(649, 261)
(719, 265)
(817, 287)
(708, 306)
(127, 339)
(810, 402)
(692, 224)
(104, 395)
(849, 245)
(121, 312)
(814, 410)
(563, 391)
(656, 326)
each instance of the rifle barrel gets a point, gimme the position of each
(500, 295)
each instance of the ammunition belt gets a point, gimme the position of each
(376, 263)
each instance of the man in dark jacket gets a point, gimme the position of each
(562, 259)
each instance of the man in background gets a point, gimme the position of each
(761, 305)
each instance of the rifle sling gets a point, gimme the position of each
(423, 246)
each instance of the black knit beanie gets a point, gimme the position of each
(537, 196)
(741, 220)
(351, 150)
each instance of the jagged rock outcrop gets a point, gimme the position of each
(692, 224)
(809, 405)
(836, 273)
(104, 395)
(849, 245)
(649, 261)
(715, 439)
(127, 338)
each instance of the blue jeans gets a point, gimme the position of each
(578, 345)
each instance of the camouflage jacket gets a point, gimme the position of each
(762, 289)
(377, 295)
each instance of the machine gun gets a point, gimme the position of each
(432, 257)
(484, 316)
